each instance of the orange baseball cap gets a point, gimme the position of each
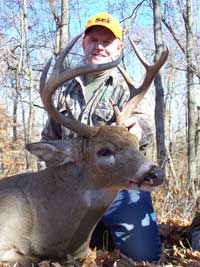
(106, 20)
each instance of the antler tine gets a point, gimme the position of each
(89, 52)
(55, 80)
(128, 80)
(59, 61)
(151, 71)
(44, 75)
(117, 113)
(137, 52)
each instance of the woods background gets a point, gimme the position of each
(32, 31)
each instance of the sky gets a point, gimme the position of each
(42, 26)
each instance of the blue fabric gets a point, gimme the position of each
(131, 221)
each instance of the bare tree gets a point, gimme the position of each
(29, 71)
(188, 19)
(186, 42)
(62, 24)
(159, 108)
(20, 68)
(14, 67)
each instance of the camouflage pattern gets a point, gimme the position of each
(98, 109)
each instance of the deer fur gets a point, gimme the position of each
(48, 214)
(51, 213)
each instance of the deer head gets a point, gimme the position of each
(58, 77)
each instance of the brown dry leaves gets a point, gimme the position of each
(175, 239)
(176, 252)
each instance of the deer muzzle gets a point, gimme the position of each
(154, 177)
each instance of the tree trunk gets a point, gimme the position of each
(64, 29)
(159, 108)
(191, 96)
(30, 80)
(15, 106)
(62, 24)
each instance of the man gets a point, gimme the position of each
(130, 220)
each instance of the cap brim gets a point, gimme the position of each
(89, 29)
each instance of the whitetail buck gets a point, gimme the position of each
(48, 214)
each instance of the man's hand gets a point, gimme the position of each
(134, 127)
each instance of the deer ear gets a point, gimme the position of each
(53, 153)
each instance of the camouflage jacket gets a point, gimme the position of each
(99, 109)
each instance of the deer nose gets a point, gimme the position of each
(156, 175)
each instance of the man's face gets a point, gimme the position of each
(105, 45)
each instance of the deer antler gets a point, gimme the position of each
(136, 95)
(57, 78)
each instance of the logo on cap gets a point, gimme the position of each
(102, 20)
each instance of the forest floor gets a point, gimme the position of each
(176, 252)
(172, 203)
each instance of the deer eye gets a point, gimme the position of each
(105, 152)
